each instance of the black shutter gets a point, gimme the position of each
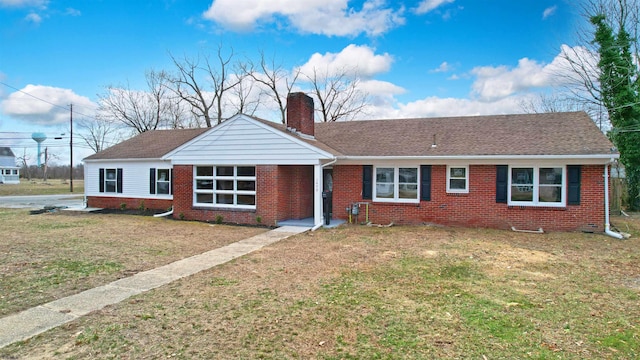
(367, 181)
(425, 182)
(101, 177)
(119, 181)
(502, 183)
(573, 180)
(171, 182)
(152, 181)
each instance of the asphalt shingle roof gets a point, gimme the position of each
(568, 133)
(148, 145)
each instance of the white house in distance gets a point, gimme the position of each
(9, 172)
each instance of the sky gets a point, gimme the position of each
(420, 58)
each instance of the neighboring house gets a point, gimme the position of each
(9, 172)
(526, 171)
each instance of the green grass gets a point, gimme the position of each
(39, 187)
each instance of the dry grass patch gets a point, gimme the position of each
(388, 293)
(52, 255)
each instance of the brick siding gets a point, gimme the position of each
(106, 202)
(478, 208)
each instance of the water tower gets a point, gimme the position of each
(39, 138)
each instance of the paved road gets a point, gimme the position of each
(40, 201)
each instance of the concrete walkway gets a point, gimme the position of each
(31, 322)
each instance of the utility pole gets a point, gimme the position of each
(71, 148)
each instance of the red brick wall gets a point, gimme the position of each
(478, 207)
(105, 202)
(300, 113)
(283, 192)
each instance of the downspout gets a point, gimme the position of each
(164, 214)
(607, 226)
(317, 226)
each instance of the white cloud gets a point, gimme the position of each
(42, 105)
(73, 12)
(326, 17)
(428, 5)
(34, 18)
(444, 67)
(498, 82)
(24, 3)
(353, 59)
(549, 11)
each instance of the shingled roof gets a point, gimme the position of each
(148, 145)
(569, 133)
(561, 134)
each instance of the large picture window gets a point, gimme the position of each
(225, 186)
(457, 179)
(396, 184)
(537, 186)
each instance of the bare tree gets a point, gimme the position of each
(219, 76)
(24, 159)
(98, 133)
(277, 80)
(338, 95)
(245, 99)
(140, 110)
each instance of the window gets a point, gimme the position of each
(160, 181)
(227, 186)
(537, 186)
(110, 180)
(457, 179)
(396, 184)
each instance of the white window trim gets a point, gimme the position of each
(396, 185)
(536, 187)
(466, 179)
(235, 178)
(168, 181)
(114, 180)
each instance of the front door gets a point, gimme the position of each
(327, 193)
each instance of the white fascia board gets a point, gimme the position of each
(595, 159)
(126, 160)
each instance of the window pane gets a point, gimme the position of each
(163, 188)
(246, 199)
(204, 198)
(457, 172)
(384, 191)
(224, 171)
(204, 171)
(224, 185)
(521, 193)
(110, 186)
(551, 176)
(247, 185)
(224, 198)
(204, 184)
(163, 174)
(552, 194)
(408, 175)
(384, 175)
(457, 184)
(522, 176)
(408, 191)
(111, 174)
(246, 171)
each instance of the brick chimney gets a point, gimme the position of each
(300, 113)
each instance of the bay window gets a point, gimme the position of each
(537, 186)
(225, 186)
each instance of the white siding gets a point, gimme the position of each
(135, 178)
(242, 141)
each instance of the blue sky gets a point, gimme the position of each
(418, 58)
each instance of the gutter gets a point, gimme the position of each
(607, 226)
